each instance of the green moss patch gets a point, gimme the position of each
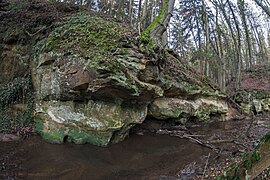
(89, 36)
(55, 133)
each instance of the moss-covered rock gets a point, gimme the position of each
(253, 101)
(94, 54)
(94, 79)
(92, 122)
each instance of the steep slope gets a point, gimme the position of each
(254, 92)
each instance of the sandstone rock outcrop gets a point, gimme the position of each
(94, 80)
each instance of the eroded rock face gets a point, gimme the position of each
(91, 122)
(180, 109)
(85, 105)
(67, 89)
(93, 87)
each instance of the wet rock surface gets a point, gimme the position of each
(91, 122)
(176, 108)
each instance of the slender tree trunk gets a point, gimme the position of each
(153, 14)
(241, 7)
(144, 14)
(81, 4)
(264, 8)
(238, 50)
(222, 75)
(139, 16)
(130, 11)
(207, 39)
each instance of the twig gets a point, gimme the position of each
(227, 141)
(206, 164)
(221, 141)
(29, 34)
(195, 135)
(187, 136)
(200, 142)
(250, 125)
(236, 106)
(238, 143)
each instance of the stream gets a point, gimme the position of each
(147, 156)
(139, 157)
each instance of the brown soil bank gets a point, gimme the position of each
(254, 92)
(22, 24)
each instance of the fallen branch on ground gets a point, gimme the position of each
(187, 136)
(206, 164)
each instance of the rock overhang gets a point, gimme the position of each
(92, 84)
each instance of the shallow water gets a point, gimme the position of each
(150, 156)
(138, 157)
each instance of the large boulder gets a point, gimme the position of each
(94, 80)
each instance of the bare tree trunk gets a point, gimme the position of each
(207, 38)
(222, 74)
(89, 4)
(238, 53)
(144, 14)
(139, 16)
(264, 8)
(130, 10)
(157, 29)
(153, 14)
(241, 7)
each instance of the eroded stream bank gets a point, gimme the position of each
(145, 156)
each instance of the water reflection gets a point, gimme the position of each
(138, 157)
